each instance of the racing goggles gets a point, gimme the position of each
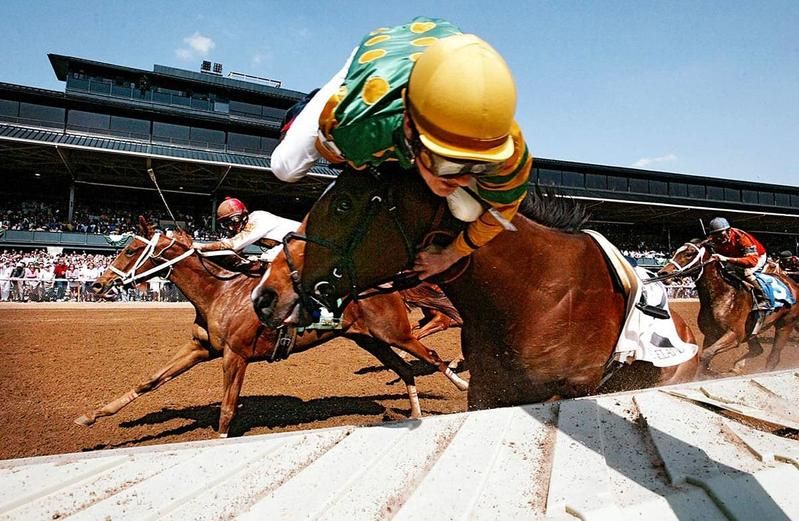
(442, 166)
(232, 223)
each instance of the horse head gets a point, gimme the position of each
(688, 260)
(148, 254)
(361, 232)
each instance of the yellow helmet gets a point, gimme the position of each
(462, 99)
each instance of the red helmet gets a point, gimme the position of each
(230, 207)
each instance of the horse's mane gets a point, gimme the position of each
(549, 208)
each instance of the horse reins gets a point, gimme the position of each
(694, 265)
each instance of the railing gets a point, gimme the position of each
(68, 239)
(16, 289)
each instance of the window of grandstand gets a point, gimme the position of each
(9, 109)
(221, 106)
(200, 101)
(100, 86)
(696, 191)
(243, 143)
(41, 114)
(273, 113)
(549, 177)
(596, 181)
(617, 183)
(249, 109)
(639, 186)
(732, 194)
(205, 137)
(678, 189)
(715, 193)
(81, 120)
(130, 127)
(766, 198)
(658, 187)
(170, 133)
(795, 200)
(574, 179)
(268, 144)
(749, 196)
(782, 199)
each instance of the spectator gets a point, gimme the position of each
(60, 274)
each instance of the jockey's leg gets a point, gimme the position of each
(761, 299)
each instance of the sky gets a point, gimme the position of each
(706, 88)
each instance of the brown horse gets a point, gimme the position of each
(541, 311)
(225, 324)
(725, 308)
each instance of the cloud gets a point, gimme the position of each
(198, 46)
(647, 161)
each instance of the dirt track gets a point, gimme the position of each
(60, 363)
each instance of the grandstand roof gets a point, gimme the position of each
(61, 65)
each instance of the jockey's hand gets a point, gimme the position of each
(719, 257)
(433, 260)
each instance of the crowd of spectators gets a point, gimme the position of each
(39, 275)
(51, 217)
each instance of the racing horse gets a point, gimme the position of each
(725, 307)
(225, 324)
(541, 311)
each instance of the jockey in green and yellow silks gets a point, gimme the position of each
(433, 99)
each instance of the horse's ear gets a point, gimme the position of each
(145, 228)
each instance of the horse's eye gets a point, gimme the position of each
(130, 251)
(343, 206)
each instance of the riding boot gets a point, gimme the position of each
(762, 302)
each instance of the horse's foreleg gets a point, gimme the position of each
(725, 342)
(233, 368)
(417, 349)
(382, 351)
(187, 357)
(781, 336)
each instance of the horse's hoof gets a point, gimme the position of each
(223, 435)
(85, 421)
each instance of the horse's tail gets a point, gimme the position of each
(430, 296)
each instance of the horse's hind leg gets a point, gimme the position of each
(725, 342)
(187, 357)
(382, 351)
(233, 368)
(755, 350)
(438, 322)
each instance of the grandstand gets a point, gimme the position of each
(208, 136)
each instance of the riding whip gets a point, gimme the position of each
(704, 233)
(151, 173)
(490, 209)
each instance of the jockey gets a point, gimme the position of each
(244, 228)
(789, 262)
(429, 98)
(740, 249)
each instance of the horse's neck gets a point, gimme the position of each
(712, 284)
(194, 282)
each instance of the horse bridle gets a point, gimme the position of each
(149, 252)
(383, 200)
(695, 264)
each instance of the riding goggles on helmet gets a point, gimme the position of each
(232, 222)
(442, 166)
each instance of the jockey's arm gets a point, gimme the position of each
(297, 153)
(250, 234)
(504, 191)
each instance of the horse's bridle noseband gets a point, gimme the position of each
(695, 264)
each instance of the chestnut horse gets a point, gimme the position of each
(541, 311)
(725, 308)
(225, 324)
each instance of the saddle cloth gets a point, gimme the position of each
(644, 337)
(777, 292)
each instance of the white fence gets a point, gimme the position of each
(17, 289)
